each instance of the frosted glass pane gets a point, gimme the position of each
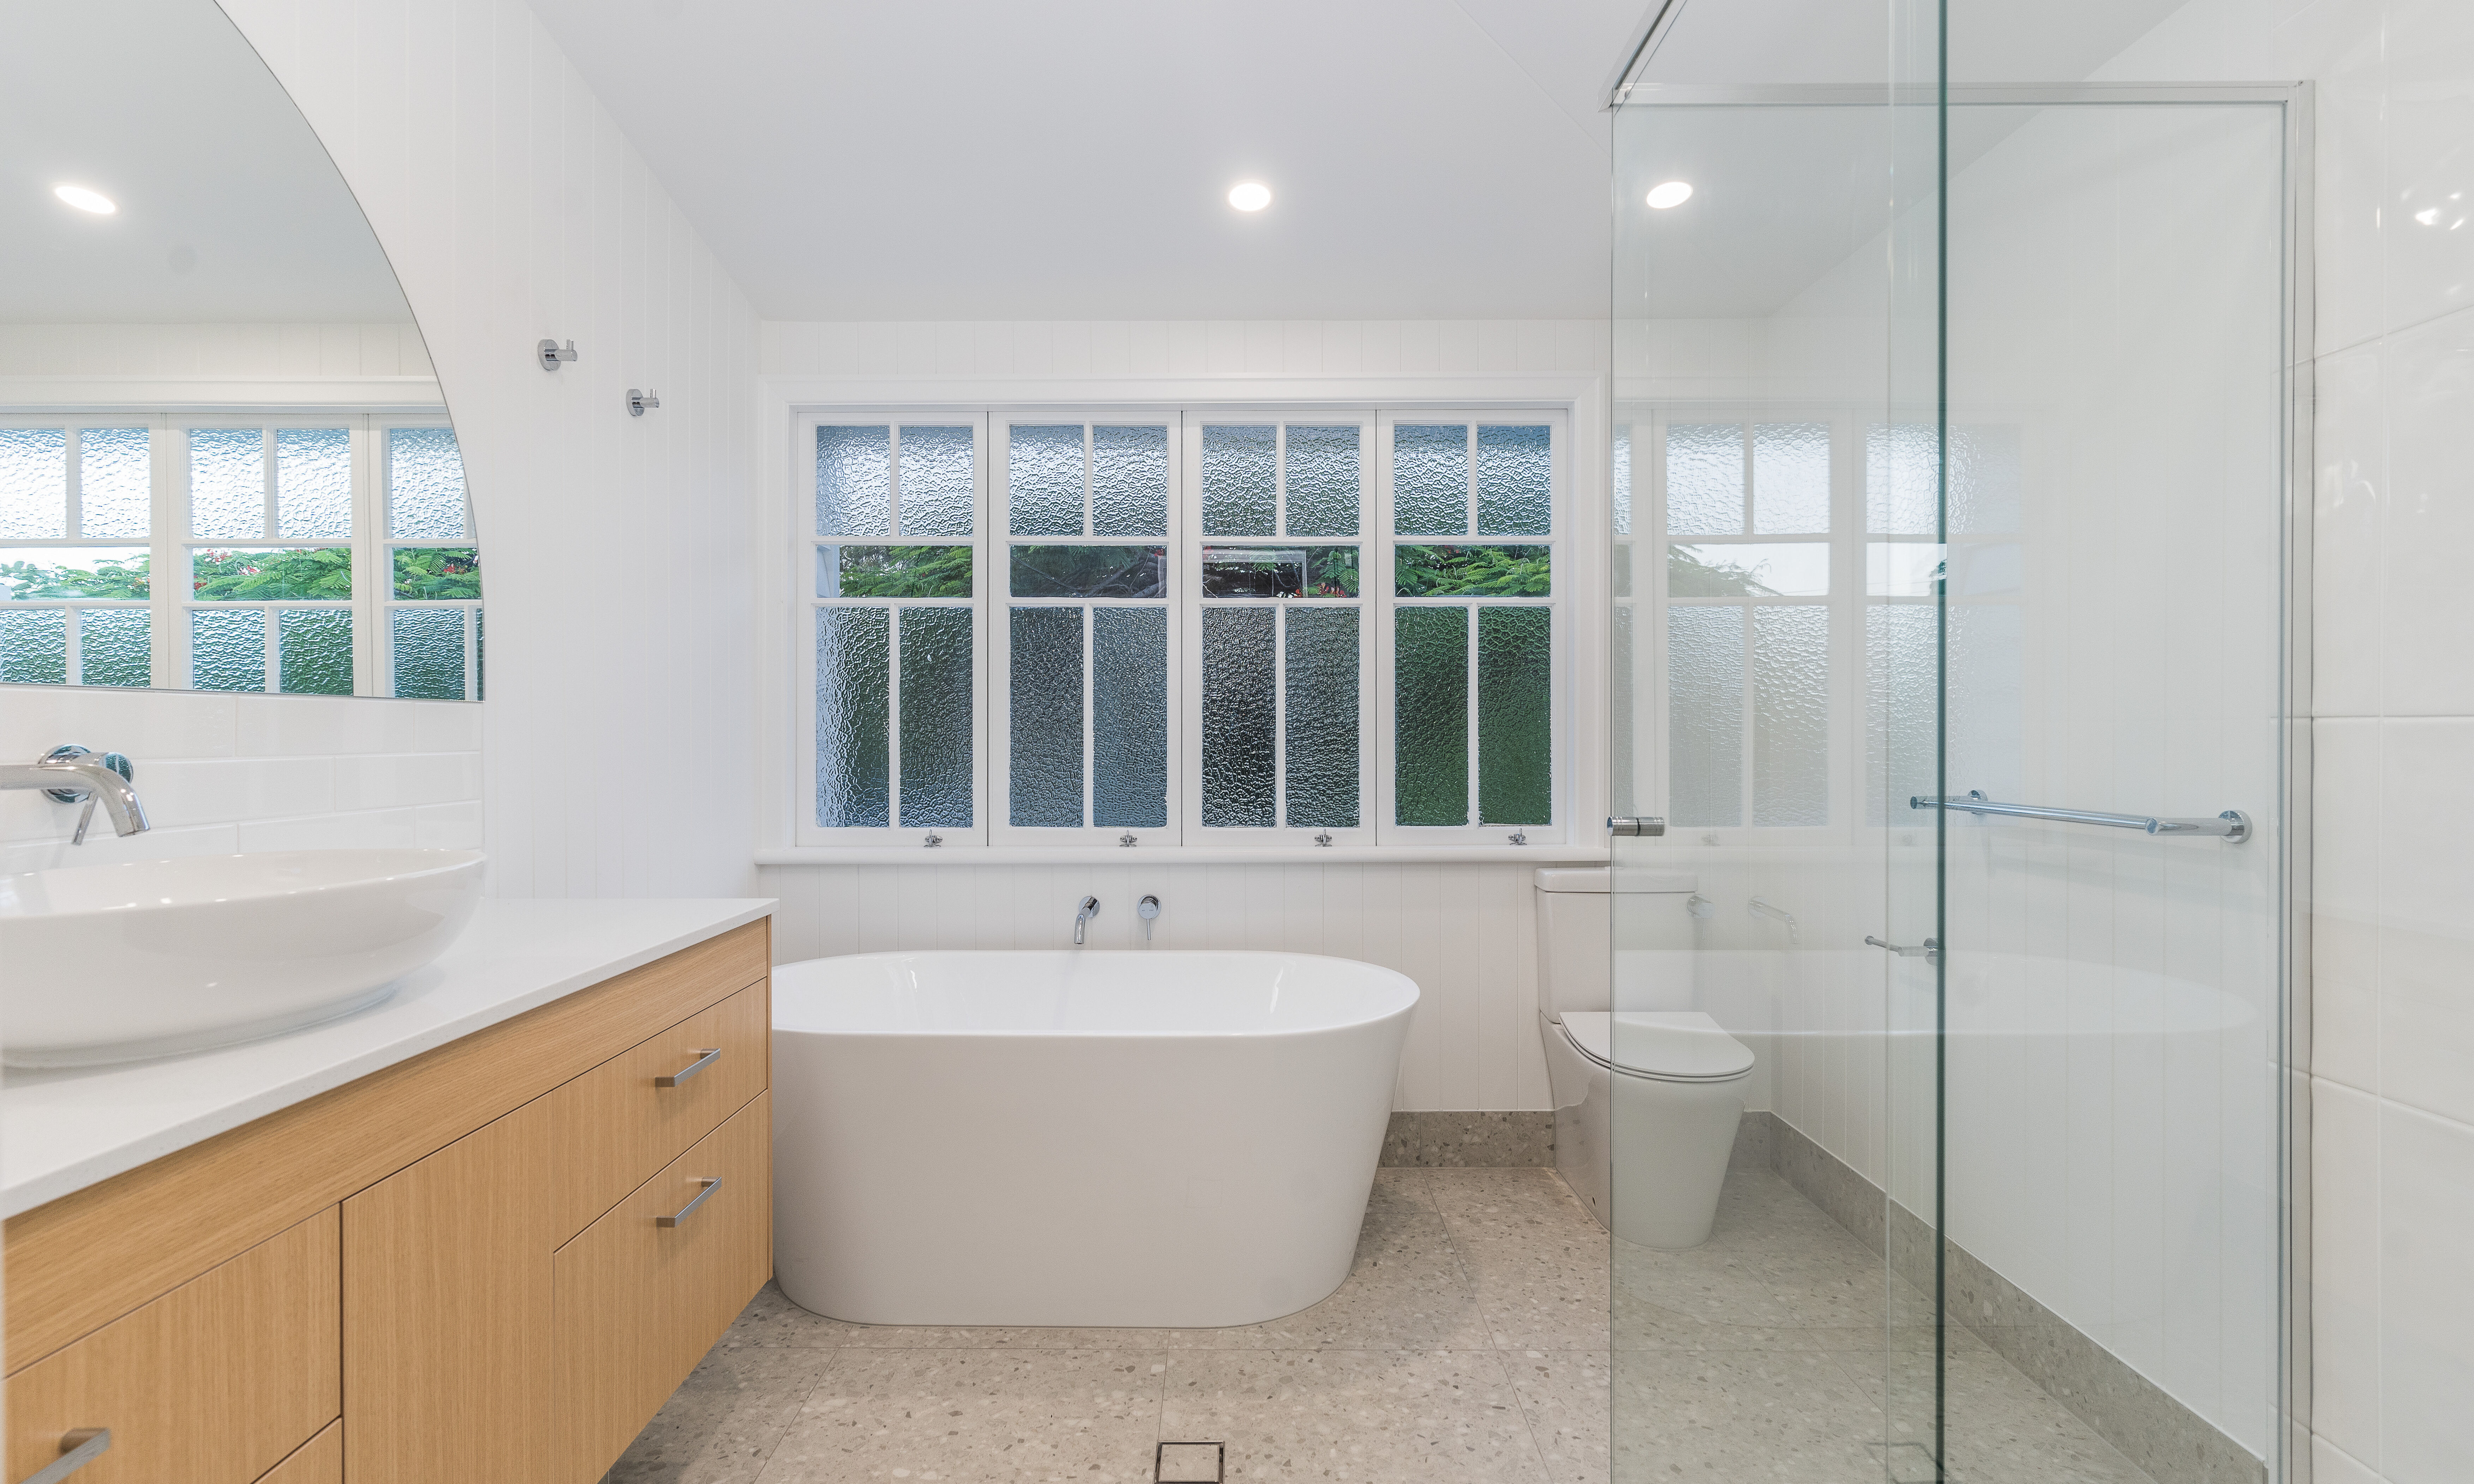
(1902, 473)
(1429, 479)
(227, 649)
(73, 572)
(34, 646)
(1515, 481)
(481, 656)
(1129, 717)
(1044, 479)
(435, 573)
(266, 575)
(115, 483)
(1322, 747)
(1240, 492)
(854, 768)
(893, 571)
(936, 722)
(1790, 569)
(1046, 745)
(1984, 479)
(1472, 571)
(1515, 726)
(227, 483)
(1279, 571)
(1790, 716)
(937, 484)
(1791, 478)
(313, 482)
(314, 651)
(1901, 569)
(1984, 718)
(428, 645)
(1619, 570)
(1625, 696)
(1899, 758)
(1321, 463)
(854, 481)
(1430, 716)
(1705, 479)
(115, 646)
(1620, 468)
(33, 482)
(1240, 720)
(1089, 571)
(424, 478)
(1705, 700)
(1130, 481)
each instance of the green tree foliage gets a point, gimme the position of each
(318, 573)
(121, 578)
(906, 571)
(437, 572)
(1687, 576)
(1471, 571)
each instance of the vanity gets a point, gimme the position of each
(478, 1232)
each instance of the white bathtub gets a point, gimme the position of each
(1154, 1138)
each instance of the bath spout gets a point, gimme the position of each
(1090, 910)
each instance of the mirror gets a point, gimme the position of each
(225, 462)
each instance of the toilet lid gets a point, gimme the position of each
(1682, 1045)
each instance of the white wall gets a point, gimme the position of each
(219, 352)
(512, 208)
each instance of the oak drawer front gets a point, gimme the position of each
(214, 1382)
(636, 1303)
(617, 1124)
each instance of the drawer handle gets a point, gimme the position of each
(684, 1212)
(704, 1059)
(78, 1450)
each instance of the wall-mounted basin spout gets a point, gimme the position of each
(69, 772)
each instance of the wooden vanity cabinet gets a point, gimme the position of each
(408, 1278)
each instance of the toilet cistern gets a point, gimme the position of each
(1090, 910)
(69, 772)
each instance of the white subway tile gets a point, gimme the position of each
(2345, 1267)
(394, 779)
(2350, 436)
(294, 725)
(226, 790)
(2426, 1370)
(369, 829)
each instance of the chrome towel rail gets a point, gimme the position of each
(2233, 824)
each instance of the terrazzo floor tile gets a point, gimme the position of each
(1791, 1417)
(721, 1425)
(976, 1416)
(2003, 1428)
(1368, 1417)
(1564, 1398)
(1535, 1260)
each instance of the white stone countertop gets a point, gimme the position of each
(64, 1129)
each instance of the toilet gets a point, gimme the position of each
(1640, 1079)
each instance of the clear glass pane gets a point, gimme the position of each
(854, 479)
(853, 717)
(1472, 571)
(1089, 571)
(1899, 733)
(1279, 571)
(1516, 716)
(1705, 708)
(1775, 569)
(74, 572)
(1130, 481)
(1130, 718)
(1045, 748)
(1044, 479)
(1791, 478)
(1515, 479)
(1240, 484)
(313, 482)
(893, 571)
(1322, 733)
(1790, 715)
(1624, 695)
(1430, 716)
(1429, 478)
(424, 485)
(227, 483)
(937, 484)
(34, 646)
(115, 646)
(1240, 718)
(428, 644)
(1705, 479)
(1619, 467)
(115, 483)
(1901, 479)
(437, 573)
(269, 574)
(937, 728)
(1900, 569)
(1321, 463)
(33, 482)
(314, 651)
(227, 649)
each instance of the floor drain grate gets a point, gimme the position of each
(1190, 1463)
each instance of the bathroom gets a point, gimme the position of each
(1664, 738)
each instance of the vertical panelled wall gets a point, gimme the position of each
(1465, 933)
(620, 547)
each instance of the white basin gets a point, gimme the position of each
(115, 963)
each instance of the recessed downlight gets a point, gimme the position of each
(1249, 196)
(1669, 193)
(84, 199)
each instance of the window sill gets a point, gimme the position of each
(1189, 855)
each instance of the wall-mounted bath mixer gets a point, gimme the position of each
(1147, 909)
(1776, 914)
(1090, 910)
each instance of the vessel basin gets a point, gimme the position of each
(148, 958)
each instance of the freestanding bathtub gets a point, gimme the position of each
(1076, 1137)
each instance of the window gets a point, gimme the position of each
(310, 555)
(1136, 626)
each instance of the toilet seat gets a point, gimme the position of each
(1665, 1046)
